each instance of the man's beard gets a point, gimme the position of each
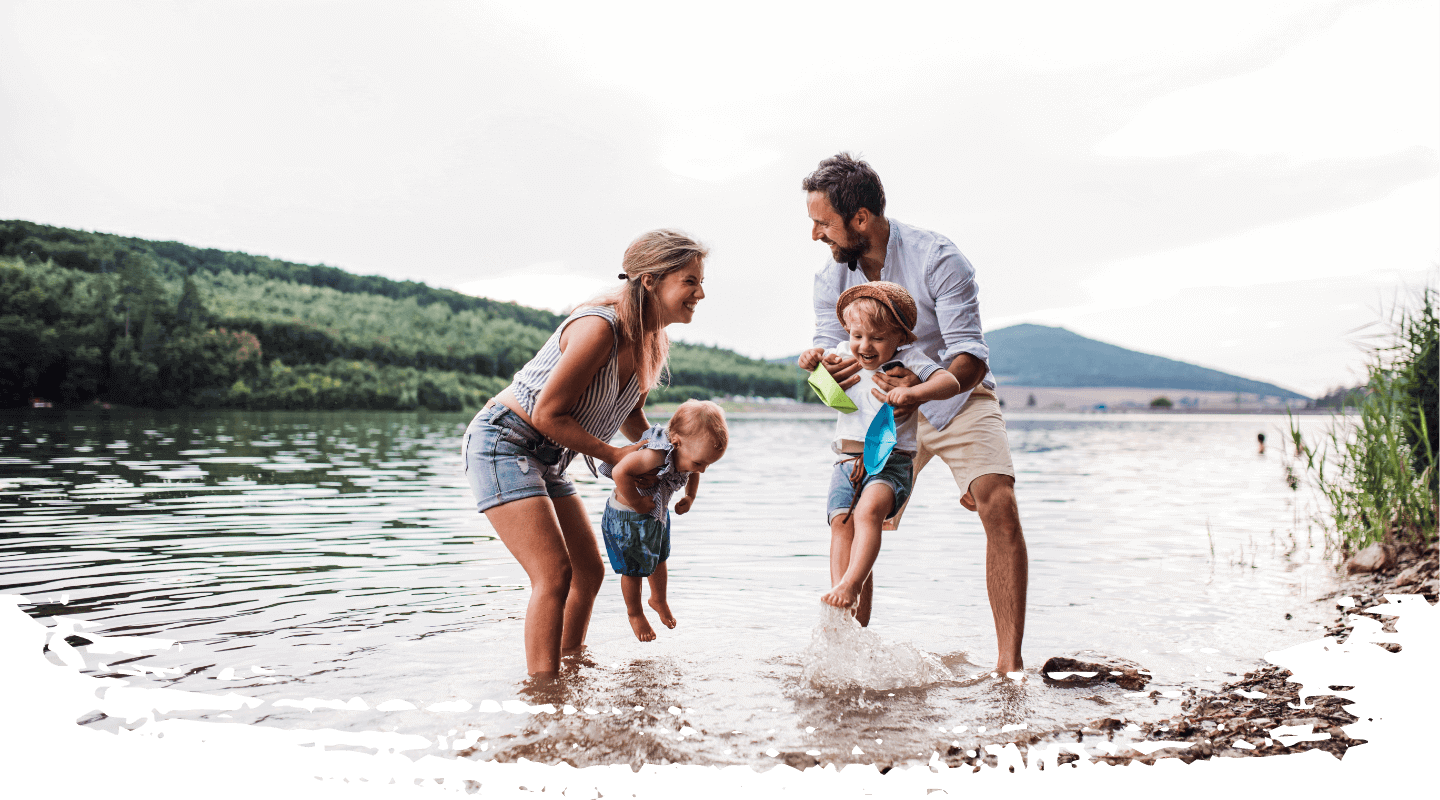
(859, 243)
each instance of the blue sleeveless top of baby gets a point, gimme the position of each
(668, 480)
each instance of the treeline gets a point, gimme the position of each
(102, 252)
(72, 337)
(88, 316)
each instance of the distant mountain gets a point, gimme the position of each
(1036, 355)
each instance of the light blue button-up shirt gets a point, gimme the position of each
(942, 282)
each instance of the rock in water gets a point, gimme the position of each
(1375, 558)
(1088, 669)
(843, 654)
(1410, 576)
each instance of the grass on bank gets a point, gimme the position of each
(1375, 465)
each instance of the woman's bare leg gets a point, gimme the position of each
(588, 571)
(658, 601)
(531, 532)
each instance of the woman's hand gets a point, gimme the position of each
(645, 479)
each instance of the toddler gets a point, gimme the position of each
(636, 523)
(880, 318)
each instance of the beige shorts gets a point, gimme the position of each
(973, 444)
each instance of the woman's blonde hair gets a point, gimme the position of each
(657, 253)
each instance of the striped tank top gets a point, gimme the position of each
(605, 404)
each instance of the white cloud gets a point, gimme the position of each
(549, 285)
(1400, 232)
(1365, 86)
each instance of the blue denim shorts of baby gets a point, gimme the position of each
(898, 473)
(636, 543)
(507, 460)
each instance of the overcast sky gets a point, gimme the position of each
(1239, 185)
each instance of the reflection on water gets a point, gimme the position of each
(331, 567)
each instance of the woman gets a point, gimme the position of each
(588, 381)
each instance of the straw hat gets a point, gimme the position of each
(892, 297)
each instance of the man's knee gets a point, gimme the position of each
(994, 497)
(993, 491)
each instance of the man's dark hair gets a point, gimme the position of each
(849, 184)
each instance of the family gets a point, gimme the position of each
(897, 326)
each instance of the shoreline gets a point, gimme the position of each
(1213, 722)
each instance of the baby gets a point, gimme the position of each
(636, 523)
(880, 318)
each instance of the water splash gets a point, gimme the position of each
(843, 654)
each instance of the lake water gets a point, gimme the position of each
(330, 567)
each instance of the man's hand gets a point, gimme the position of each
(841, 369)
(845, 371)
(893, 382)
(683, 504)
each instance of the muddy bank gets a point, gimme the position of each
(1263, 712)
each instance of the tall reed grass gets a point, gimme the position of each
(1375, 465)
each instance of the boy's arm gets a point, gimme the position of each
(941, 385)
(691, 487)
(631, 467)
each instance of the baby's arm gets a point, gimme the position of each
(691, 487)
(941, 385)
(631, 467)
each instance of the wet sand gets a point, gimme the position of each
(1240, 719)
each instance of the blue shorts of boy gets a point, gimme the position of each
(898, 473)
(636, 543)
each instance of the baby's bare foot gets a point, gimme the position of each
(663, 609)
(642, 628)
(841, 596)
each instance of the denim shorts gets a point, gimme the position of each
(507, 460)
(897, 473)
(636, 543)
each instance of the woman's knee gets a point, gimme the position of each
(587, 580)
(553, 582)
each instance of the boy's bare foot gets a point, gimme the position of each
(663, 609)
(841, 596)
(642, 628)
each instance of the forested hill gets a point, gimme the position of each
(91, 316)
(102, 252)
(1036, 355)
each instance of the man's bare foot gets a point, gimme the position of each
(1012, 671)
(642, 628)
(663, 609)
(841, 596)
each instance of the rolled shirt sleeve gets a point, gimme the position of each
(917, 362)
(957, 304)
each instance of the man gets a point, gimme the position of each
(846, 204)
